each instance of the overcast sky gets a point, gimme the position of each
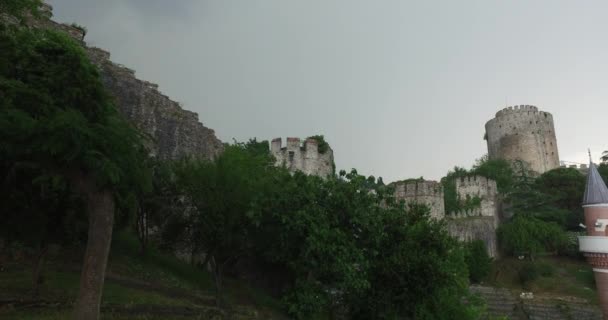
(399, 88)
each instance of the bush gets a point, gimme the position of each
(478, 261)
(527, 273)
(529, 236)
(545, 269)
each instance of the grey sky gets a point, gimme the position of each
(399, 88)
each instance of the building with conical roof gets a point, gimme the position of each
(595, 244)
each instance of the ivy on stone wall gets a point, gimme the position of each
(323, 145)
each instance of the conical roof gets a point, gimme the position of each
(596, 191)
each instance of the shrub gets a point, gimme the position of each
(545, 269)
(525, 235)
(527, 273)
(478, 261)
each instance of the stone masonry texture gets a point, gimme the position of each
(429, 193)
(523, 133)
(173, 131)
(303, 157)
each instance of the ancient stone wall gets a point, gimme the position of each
(478, 223)
(429, 193)
(303, 157)
(174, 132)
(523, 133)
(482, 187)
(475, 227)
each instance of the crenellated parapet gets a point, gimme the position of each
(467, 213)
(429, 193)
(523, 133)
(305, 157)
(517, 109)
(481, 189)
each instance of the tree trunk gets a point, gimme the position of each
(217, 277)
(100, 207)
(142, 228)
(36, 276)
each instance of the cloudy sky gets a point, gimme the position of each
(399, 88)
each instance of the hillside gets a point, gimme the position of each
(152, 286)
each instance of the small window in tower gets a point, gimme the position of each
(551, 143)
(552, 153)
(537, 121)
(530, 122)
(291, 155)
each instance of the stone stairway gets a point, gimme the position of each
(503, 303)
(500, 302)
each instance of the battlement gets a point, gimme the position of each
(515, 109)
(476, 186)
(523, 133)
(417, 188)
(303, 157)
(429, 193)
(475, 212)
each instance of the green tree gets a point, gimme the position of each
(56, 117)
(499, 170)
(562, 191)
(478, 261)
(450, 196)
(220, 194)
(346, 244)
(419, 272)
(530, 236)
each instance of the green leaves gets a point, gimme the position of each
(529, 236)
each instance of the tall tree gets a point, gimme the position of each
(55, 116)
(220, 194)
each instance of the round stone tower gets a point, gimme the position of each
(523, 133)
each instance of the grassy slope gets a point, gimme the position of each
(571, 279)
(134, 282)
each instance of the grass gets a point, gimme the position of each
(570, 279)
(66, 314)
(126, 259)
(159, 273)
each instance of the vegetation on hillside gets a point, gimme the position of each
(327, 245)
(63, 139)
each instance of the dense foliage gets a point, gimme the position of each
(478, 261)
(530, 236)
(322, 144)
(64, 148)
(340, 244)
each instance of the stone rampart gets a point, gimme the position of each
(523, 133)
(429, 193)
(174, 132)
(306, 157)
(480, 187)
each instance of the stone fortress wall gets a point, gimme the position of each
(429, 193)
(174, 132)
(523, 133)
(306, 157)
(478, 223)
(474, 224)
(482, 187)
